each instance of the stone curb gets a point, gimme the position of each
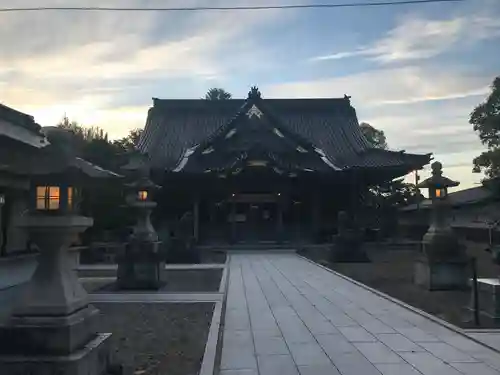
(441, 322)
(214, 339)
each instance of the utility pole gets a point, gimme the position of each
(417, 178)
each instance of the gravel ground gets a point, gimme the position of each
(176, 281)
(157, 338)
(391, 271)
(213, 257)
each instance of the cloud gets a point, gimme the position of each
(411, 84)
(416, 37)
(78, 63)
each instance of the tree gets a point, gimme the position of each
(217, 94)
(129, 142)
(391, 194)
(485, 119)
(375, 136)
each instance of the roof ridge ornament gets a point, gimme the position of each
(347, 98)
(254, 111)
(254, 93)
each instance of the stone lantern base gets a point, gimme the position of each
(442, 274)
(91, 359)
(52, 329)
(140, 266)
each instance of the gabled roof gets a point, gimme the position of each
(254, 138)
(176, 128)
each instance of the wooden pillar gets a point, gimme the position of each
(315, 215)
(196, 217)
(233, 220)
(279, 219)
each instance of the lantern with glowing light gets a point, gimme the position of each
(437, 184)
(444, 264)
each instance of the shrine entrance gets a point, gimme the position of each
(254, 218)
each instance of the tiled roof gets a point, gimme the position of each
(26, 161)
(173, 126)
(19, 119)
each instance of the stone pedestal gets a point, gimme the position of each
(442, 274)
(52, 329)
(141, 266)
(489, 298)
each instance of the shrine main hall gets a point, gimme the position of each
(263, 170)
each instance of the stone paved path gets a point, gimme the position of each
(287, 316)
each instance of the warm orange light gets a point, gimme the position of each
(142, 195)
(440, 193)
(48, 197)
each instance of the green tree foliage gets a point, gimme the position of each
(93, 144)
(485, 119)
(396, 193)
(217, 94)
(375, 136)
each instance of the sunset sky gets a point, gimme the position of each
(414, 71)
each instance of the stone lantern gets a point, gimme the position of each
(443, 264)
(141, 264)
(52, 325)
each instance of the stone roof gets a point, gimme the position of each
(176, 127)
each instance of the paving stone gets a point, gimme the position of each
(234, 338)
(353, 363)
(239, 372)
(463, 343)
(490, 358)
(234, 358)
(376, 352)
(357, 334)
(328, 369)
(415, 334)
(475, 369)
(277, 365)
(446, 352)
(335, 344)
(270, 345)
(309, 353)
(399, 343)
(317, 318)
(376, 327)
(397, 369)
(268, 332)
(427, 364)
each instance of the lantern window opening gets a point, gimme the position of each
(48, 198)
(142, 195)
(440, 192)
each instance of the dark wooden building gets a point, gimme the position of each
(255, 170)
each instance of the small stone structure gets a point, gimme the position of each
(52, 328)
(348, 244)
(140, 265)
(443, 264)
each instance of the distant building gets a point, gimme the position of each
(256, 169)
(473, 212)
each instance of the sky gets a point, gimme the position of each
(414, 71)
